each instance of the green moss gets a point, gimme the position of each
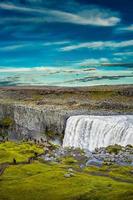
(6, 122)
(20, 151)
(51, 134)
(114, 148)
(54, 146)
(68, 160)
(121, 173)
(41, 181)
(129, 146)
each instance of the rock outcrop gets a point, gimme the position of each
(30, 121)
(37, 111)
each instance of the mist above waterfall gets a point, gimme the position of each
(90, 132)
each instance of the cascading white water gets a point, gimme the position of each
(90, 132)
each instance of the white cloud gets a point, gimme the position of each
(125, 28)
(91, 16)
(117, 59)
(12, 47)
(92, 61)
(14, 7)
(56, 43)
(123, 54)
(98, 45)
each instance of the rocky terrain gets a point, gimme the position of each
(37, 167)
(40, 111)
(111, 155)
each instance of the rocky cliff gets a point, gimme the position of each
(32, 122)
(35, 122)
(35, 111)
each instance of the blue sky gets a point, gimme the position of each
(65, 33)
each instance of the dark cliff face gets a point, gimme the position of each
(35, 122)
(32, 122)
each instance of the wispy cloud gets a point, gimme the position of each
(92, 61)
(124, 53)
(98, 45)
(92, 16)
(13, 47)
(125, 28)
(56, 43)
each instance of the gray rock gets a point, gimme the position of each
(34, 120)
(68, 175)
(82, 166)
(70, 170)
(94, 162)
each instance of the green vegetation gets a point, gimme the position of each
(37, 97)
(20, 151)
(3, 134)
(114, 148)
(68, 160)
(129, 146)
(99, 95)
(54, 146)
(6, 122)
(41, 181)
(120, 173)
(51, 134)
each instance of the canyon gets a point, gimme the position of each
(37, 111)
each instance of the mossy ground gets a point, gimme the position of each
(20, 151)
(45, 181)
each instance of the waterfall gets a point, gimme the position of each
(90, 132)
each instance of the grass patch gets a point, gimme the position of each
(20, 151)
(69, 160)
(41, 181)
(121, 173)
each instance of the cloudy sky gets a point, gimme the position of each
(65, 33)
